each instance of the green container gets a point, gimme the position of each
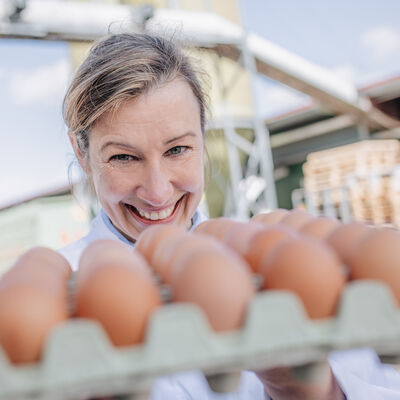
(80, 362)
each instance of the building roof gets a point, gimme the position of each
(379, 92)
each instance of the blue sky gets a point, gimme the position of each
(33, 76)
(358, 40)
(362, 34)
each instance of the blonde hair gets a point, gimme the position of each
(121, 67)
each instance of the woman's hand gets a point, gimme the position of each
(310, 382)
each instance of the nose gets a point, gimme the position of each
(155, 188)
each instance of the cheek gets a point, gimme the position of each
(191, 175)
(109, 187)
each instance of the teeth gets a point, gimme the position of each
(154, 216)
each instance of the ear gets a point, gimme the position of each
(82, 158)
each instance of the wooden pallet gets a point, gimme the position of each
(330, 168)
(364, 168)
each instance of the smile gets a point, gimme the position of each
(148, 217)
(154, 216)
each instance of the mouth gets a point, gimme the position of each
(148, 218)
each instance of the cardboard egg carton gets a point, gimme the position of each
(79, 362)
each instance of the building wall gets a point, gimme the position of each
(296, 152)
(52, 222)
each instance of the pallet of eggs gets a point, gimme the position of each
(284, 288)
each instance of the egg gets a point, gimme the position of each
(150, 238)
(105, 252)
(263, 242)
(377, 256)
(170, 254)
(240, 234)
(204, 226)
(118, 291)
(296, 218)
(28, 313)
(270, 218)
(320, 227)
(161, 255)
(345, 238)
(219, 282)
(54, 285)
(308, 268)
(42, 267)
(217, 227)
(42, 261)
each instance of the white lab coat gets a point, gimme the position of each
(359, 372)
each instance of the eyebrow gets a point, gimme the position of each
(129, 147)
(169, 141)
(112, 142)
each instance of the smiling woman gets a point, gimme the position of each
(146, 159)
(136, 116)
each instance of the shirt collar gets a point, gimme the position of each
(112, 228)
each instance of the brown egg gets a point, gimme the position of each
(168, 256)
(239, 235)
(296, 219)
(217, 227)
(55, 285)
(206, 226)
(163, 252)
(121, 299)
(196, 243)
(219, 282)
(28, 313)
(203, 227)
(308, 268)
(263, 242)
(320, 227)
(105, 252)
(42, 261)
(102, 251)
(346, 237)
(42, 267)
(377, 256)
(150, 238)
(222, 226)
(270, 218)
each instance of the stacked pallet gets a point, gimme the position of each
(394, 195)
(365, 170)
(369, 198)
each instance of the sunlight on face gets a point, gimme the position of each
(146, 159)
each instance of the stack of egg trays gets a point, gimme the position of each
(79, 362)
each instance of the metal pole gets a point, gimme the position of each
(363, 130)
(240, 207)
(261, 131)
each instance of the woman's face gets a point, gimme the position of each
(146, 159)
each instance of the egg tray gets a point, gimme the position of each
(79, 362)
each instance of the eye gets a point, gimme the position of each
(122, 158)
(175, 151)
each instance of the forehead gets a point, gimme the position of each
(170, 109)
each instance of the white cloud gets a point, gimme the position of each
(382, 41)
(42, 85)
